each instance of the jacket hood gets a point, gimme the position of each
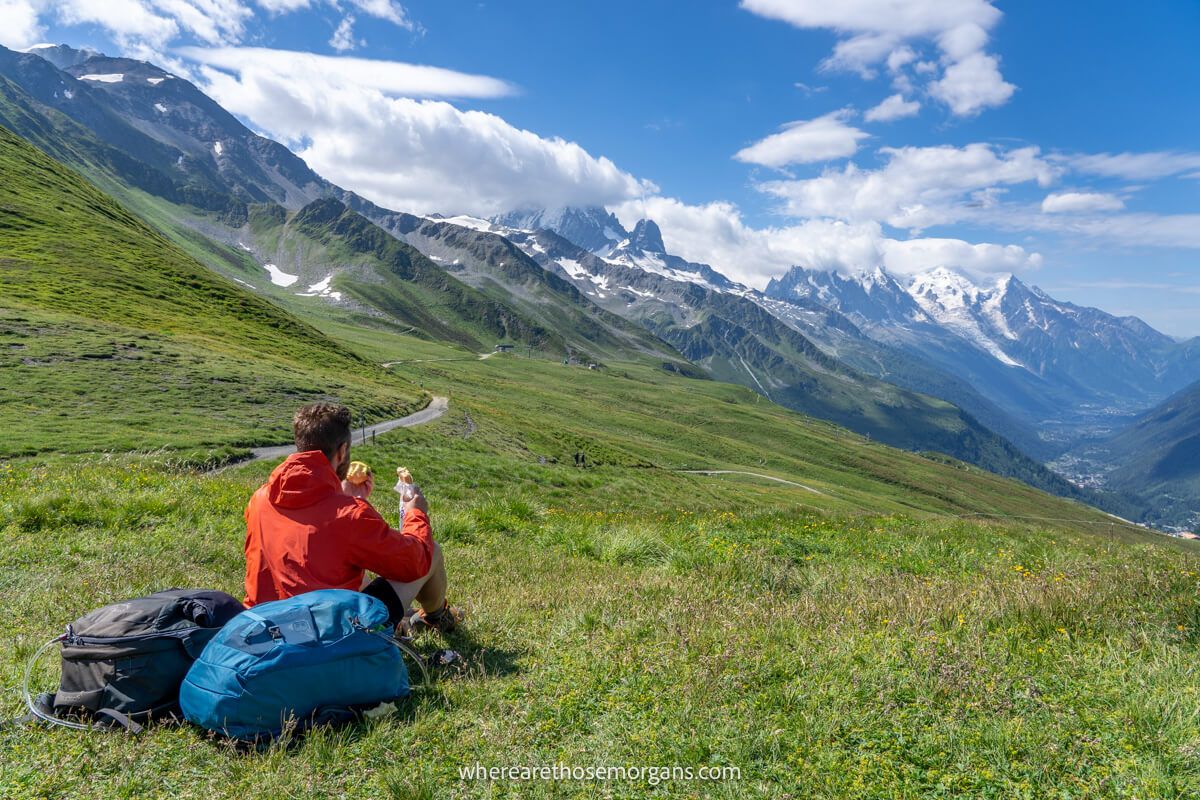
(302, 480)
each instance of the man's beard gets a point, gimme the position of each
(343, 468)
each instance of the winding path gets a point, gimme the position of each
(753, 474)
(436, 408)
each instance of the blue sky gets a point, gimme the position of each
(1054, 140)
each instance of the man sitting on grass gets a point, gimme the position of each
(304, 533)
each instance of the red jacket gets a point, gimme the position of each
(303, 534)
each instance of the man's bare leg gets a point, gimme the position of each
(432, 595)
(430, 590)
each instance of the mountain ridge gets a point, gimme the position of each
(204, 158)
(725, 328)
(1044, 360)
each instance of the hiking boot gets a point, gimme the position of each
(444, 621)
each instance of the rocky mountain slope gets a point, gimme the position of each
(632, 274)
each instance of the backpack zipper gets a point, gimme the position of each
(70, 637)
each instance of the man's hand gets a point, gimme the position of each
(359, 490)
(417, 501)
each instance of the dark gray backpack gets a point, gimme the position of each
(124, 663)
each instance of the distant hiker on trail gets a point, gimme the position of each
(304, 532)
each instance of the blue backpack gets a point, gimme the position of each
(314, 658)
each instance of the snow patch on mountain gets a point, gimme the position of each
(466, 221)
(279, 277)
(106, 77)
(657, 265)
(573, 268)
(321, 289)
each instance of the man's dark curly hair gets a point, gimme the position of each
(321, 426)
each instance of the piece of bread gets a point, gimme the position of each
(358, 473)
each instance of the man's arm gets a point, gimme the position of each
(404, 555)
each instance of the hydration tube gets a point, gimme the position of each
(33, 709)
(411, 652)
(405, 648)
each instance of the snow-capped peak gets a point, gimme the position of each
(944, 286)
(975, 313)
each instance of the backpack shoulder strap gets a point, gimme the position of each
(120, 719)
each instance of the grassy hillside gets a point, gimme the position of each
(1159, 458)
(774, 348)
(388, 275)
(643, 418)
(112, 337)
(851, 643)
(510, 298)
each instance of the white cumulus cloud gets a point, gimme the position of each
(972, 84)
(908, 256)
(383, 9)
(1060, 202)
(716, 234)
(388, 10)
(918, 186)
(1135, 166)
(343, 37)
(360, 124)
(805, 141)
(133, 24)
(146, 29)
(887, 31)
(283, 6)
(312, 73)
(22, 26)
(894, 107)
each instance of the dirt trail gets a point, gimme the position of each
(754, 474)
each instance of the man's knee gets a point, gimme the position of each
(436, 562)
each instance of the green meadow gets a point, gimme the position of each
(860, 642)
(888, 624)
